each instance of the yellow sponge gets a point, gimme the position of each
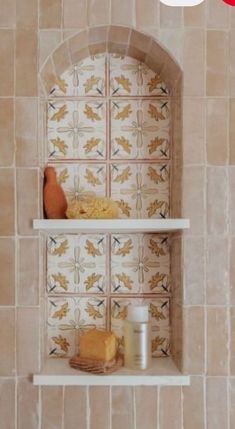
(92, 208)
(96, 344)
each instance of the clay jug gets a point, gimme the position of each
(55, 204)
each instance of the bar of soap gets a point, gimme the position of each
(96, 344)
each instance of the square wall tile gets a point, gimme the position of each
(141, 190)
(140, 129)
(82, 180)
(140, 263)
(86, 78)
(159, 311)
(76, 129)
(129, 76)
(76, 264)
(67, 318)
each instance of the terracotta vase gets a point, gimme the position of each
(55, 204)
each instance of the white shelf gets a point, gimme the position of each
(57, 372)
(110, 225)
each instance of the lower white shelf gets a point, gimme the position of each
(57, 372)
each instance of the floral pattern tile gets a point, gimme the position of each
(140, 129)
(129, 76)
(76, 129)
(76, 264)
(86, 78)
(159, 317)
(68, 317)
(141, 190)
(140, 263)
(80, 181)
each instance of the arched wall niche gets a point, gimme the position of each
(127, 41)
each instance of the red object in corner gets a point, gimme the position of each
(230, 2)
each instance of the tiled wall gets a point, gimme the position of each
(203, 41)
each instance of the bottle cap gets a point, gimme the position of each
(138, 313)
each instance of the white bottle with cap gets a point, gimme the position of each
(137, 346)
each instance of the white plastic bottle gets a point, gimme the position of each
(137, 346)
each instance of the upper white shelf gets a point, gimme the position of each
(110, 225)
(57, 372)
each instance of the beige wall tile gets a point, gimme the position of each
(217, 63)
(216, 396)
(75, 407)
(232, 271)
(171, 17)
(232, 402)
(7, 62)
(48, 76)
(140, 41)
(146, 407)
(61, 58)
(7, 403)
(26, 117)
(7, 269)
(232, 18)
(122, 407)
(27, 404)
(99, 402)
(6, 132)
(28, 272)
(7, 335)
(217, 341)
(194, 270)
(27, 13)
(50, 13)
(75, 14)
(146, 13)
(194, 345)
(170, 408)
(77, 44)
(27, 337)
(232, 344)
(232, 199)
(217, 111)
(27, 200)
(194, 131)
(7, 207)
(193, 404)
(52, 407)
(217, 271)
(8, 13)
(217, 14)
(26, 63)
(193, 65)
(232, 131)
(122, 13)
(172, 39)
(232, 63)
(217, 200)
(48, 41)
(195, 16)
(98, 12)
(193, 198)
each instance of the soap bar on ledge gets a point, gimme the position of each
(99, 345)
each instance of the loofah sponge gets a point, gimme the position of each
(93, 208)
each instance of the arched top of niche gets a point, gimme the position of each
(112, 39)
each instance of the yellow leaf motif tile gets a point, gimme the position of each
(76, 129)
(129, 77)
(140, 129)
(81, 181)
(141, 190)
(140, 263)
(68, 318)
(79, 269)
(86, 78)
(159, 316)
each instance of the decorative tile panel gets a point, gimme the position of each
(76, 129)
(159, 311)
(76, 264)
(129, 76)
(68, 318)
(140, 129)
(86, 78)
(80, 181)
(141, 190)
(140, 263)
